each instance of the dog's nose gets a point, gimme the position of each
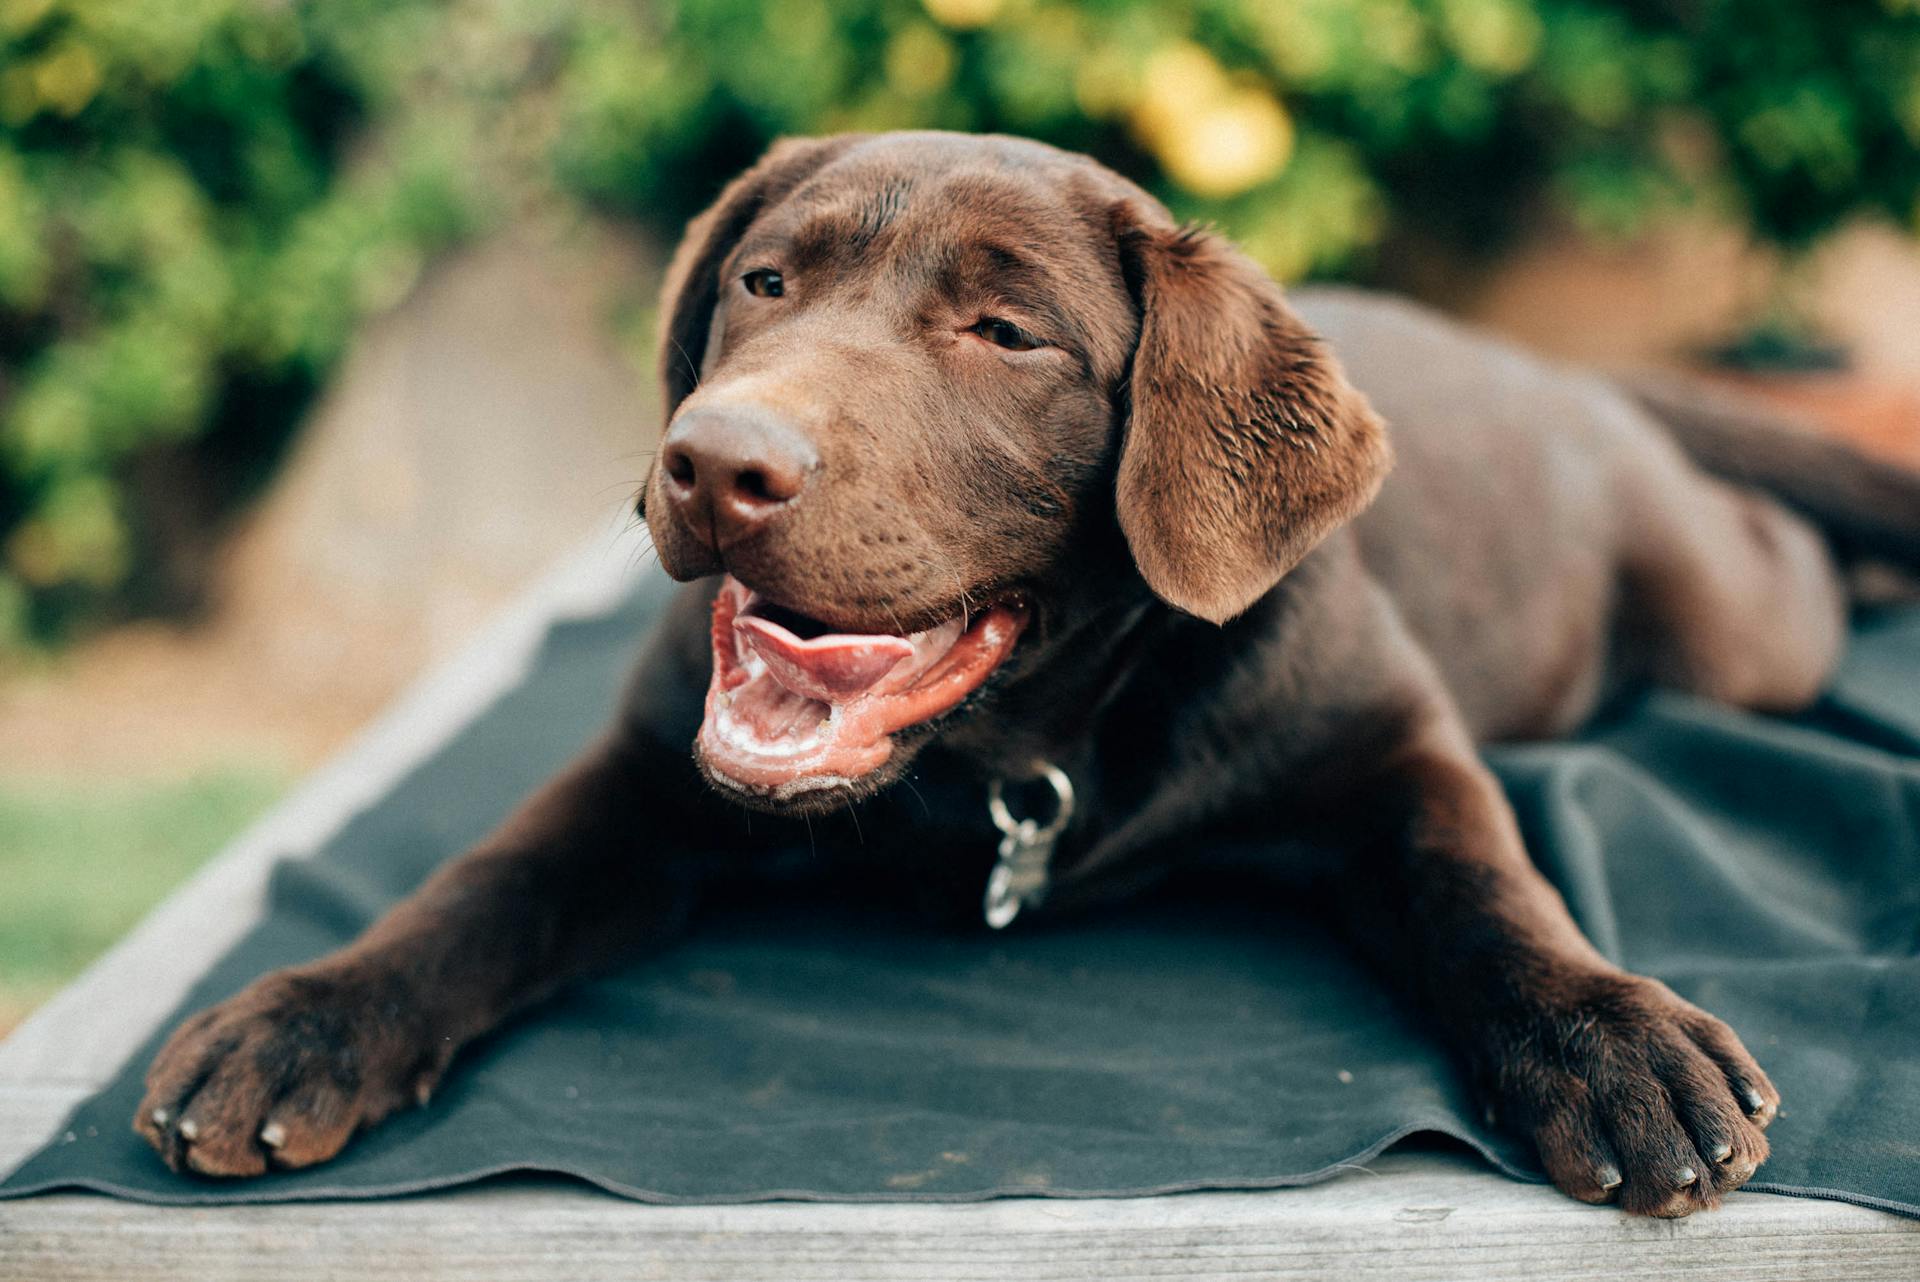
(729, 469)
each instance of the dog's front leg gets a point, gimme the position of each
(1630, 1093)
(283, 1073)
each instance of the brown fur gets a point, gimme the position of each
(1224, 644)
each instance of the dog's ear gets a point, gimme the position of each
(1245, 445)
(691, 290)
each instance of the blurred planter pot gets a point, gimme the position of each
(1818, 382)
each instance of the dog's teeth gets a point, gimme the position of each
(189, 1129)
(273, 1135)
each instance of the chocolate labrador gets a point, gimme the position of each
(991, 474)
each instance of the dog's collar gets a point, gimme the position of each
(1021, 874)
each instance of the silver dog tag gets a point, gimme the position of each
(1019, 878)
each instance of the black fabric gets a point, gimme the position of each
(820, 1048)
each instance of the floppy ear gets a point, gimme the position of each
(1245, 445)
(691, 290)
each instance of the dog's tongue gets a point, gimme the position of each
(832, 668)
(787, 714)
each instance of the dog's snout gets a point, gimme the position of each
(730, 469)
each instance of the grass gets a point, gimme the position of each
(82, 860)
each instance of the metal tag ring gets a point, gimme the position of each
(1063, 796)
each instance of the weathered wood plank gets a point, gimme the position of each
(1422, 1216)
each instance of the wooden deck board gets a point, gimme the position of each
(1420, 1216)
(1429, 1216)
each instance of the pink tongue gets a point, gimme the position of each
(832, 668)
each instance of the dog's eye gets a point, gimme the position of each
(764, 282)
(1005, 334)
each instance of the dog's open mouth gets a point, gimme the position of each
(794, 707)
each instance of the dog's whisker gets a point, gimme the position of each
(925, 809)
(693, 366)
(630, 485)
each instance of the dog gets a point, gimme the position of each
(982, 467)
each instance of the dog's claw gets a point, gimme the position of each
(273, 1135)
(1722, 1152)
(160, 1117)
(189, 1129)
(1610, 1178)
(1685, 1176)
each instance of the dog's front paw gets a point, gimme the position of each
(283, 1073)
(1631, 1094)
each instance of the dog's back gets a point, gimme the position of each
(1560, 533)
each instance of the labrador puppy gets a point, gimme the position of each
(979, 467)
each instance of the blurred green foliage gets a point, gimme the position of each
(201, 199)
(185, 248)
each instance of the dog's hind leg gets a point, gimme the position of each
(1730, 595)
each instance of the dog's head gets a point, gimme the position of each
(927, 391)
